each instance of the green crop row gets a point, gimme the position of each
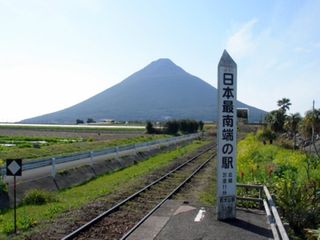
(54, 149)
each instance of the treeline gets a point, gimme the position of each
(173, 127)
(89, 120)
(300, 129)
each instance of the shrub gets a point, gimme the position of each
(299, 204)
(266, 135)
(3, 186)
(313, 234)
(38, 197)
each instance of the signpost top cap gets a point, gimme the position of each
(226, 60)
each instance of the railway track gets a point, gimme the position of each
(123, 218)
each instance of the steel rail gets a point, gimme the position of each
(165, 199)
(87, 225)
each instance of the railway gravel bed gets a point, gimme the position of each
(70, 220)
(125, 217)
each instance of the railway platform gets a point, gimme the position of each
(176, 220)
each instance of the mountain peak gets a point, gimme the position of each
(163, 61)
(162, 67)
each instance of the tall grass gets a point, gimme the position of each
(292, 175)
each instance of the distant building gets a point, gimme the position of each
(109, 121)
(243, 114)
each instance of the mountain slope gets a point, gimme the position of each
(159, 91)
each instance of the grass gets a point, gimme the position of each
(56, 147)
(208, 196)
(38, 197)
(30, 215)
(259, 163)
(291, 175)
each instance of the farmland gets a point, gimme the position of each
(29, 143)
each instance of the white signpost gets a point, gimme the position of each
(227, 134)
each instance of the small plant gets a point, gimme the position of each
(38, 197)
(299, 204)
(267, 135)
(313, 234)
(3, 186)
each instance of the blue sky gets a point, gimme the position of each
(54, 54)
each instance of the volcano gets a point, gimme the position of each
(160, 91)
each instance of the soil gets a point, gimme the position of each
(202, 183)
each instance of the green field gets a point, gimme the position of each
(37, 147)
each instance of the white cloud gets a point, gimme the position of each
(242, 42)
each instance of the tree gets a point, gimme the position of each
(194, 126)
(284, 104)
(172, 127)
(275, 120)
(79, 121)
(183, 126)
(90, 120)
(149, 128)
(201, 124)
(292, 122)
(188, 126)
(311, 118)
(291, 125)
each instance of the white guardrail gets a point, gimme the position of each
(38, 163)
(277, 228)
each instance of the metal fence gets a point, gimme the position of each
(37, 163)
(265, 200)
